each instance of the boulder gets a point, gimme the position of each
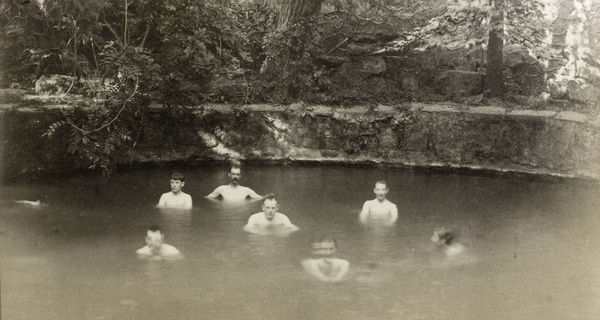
(580, 90)
(589, 73)
(373, 65)
(558, 89)
(410, 84)
(456, 83)
(359, 69)
(516, 54)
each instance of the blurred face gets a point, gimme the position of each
(154, 239)
(176, 185)
(270, 207)
(380, 191)
(324, 249)
(435, 237)
(234, 175)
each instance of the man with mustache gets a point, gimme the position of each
(234, 191)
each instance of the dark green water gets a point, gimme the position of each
(532, 248)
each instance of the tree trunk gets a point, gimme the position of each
(292, 14)
(292, 11)
(494, 76)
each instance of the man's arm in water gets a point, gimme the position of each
(162, 202)
(253, 195)
(215, 194)
(344, 266)
(310, 267)
(251, 226)
(364, 213)
(393, 213)
(287, 224)
(187, 204)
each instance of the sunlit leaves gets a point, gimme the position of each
(467, 23)
(53, 127)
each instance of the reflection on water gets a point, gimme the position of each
(530, 248)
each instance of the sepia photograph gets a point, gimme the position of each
(299, 159)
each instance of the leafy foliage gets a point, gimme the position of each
(117, 45)
(187, 52)
(290, 65)
(465, 24)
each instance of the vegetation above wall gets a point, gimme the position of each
(109, 59)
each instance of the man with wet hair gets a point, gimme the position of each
(234, 191)
(269, 221)
(324, 265)
(379, 209)
(155, 246)
(176, 198)
(444, 239)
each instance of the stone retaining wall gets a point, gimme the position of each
(491, 138)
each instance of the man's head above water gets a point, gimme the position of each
(154, 238)
(324, 247)
(177, 182)
(178, 176)
(233, 191)
(155, 247)
(235, 173)
(270, 206)
(381, 190)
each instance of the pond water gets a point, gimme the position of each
(532, 248)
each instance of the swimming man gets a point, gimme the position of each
(155, 247)
(270, 221)
(324, 265)
(176, 198)
(379, 209)
(233, 191)
(444, 239)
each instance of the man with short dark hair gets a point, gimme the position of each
(324, 265)
(155, 246)
(176, 198)
(379, 209)
(234, 191)
(269, 221)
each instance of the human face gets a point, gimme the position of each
(324, 249)
(270, 207)
(234, 175)
(154, 240)
(380, 191)
(176, 185)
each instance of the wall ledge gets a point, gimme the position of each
(386, 110)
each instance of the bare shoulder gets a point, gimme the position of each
(217, 192)
(145, 251)
(254, 217)
(342, 262)
(169, 251)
